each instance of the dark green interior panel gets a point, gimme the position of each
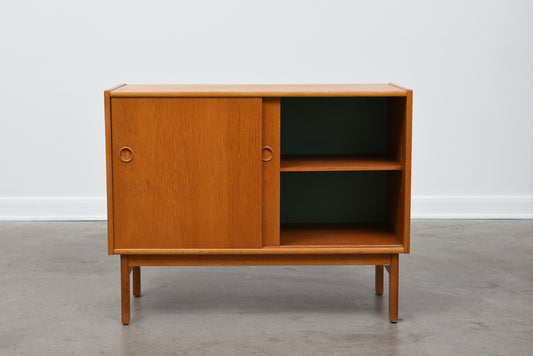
(314, 126)
(333, 197)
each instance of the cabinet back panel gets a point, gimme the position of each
(333, 197)
(334, 125)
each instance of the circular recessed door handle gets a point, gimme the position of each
(126, 154)
(267, 154)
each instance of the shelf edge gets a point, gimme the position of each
(267, 250)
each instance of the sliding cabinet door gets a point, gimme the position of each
(187, 172)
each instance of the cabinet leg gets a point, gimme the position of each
(137, 281)
(393, 288)
(379, 280)
(125, 289)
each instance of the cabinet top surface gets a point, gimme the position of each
(256, 90)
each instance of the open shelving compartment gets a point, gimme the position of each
(341, 181)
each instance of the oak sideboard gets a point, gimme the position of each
(220, 175)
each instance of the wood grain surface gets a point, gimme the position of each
(271, 178)
(257, 90)
(136, 271)
(393, 288)
(109, 167)
(399, 183)
(125, 289)
(195, 177)
(258, 260)
(321, 249)
(314, 163)
(343, 235)
(406, 183)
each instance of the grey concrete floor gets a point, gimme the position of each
(465, 289)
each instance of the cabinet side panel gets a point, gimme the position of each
(407, 169)
(109, 171)
(398, 186)
(395, 145)
(271, 172)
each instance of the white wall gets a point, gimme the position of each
(470, 64)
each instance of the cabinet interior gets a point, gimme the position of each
(333, 197)
(341, 171)
(334, 126)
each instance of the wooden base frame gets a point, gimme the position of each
(129, 263)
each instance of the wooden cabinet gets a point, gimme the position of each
(258, 175)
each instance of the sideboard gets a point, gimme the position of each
(220, 175)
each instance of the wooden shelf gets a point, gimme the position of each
(313, 163)
(342, 235)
